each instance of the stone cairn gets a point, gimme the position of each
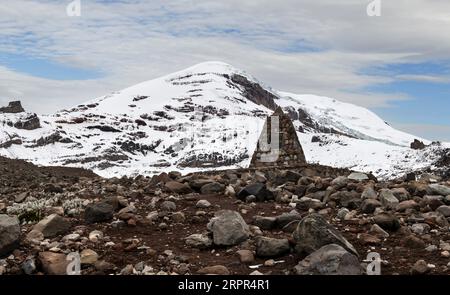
(290, 150)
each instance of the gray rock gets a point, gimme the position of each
(432, 198)
(9, 234)
(405, 205)
(388, 199)
(447, 200)
(444, 210)
(314, 232)
(437, 218)
(177, 187)
(203, 204)
(368, 206)
(358, 176)
(168, 206)
(52, 226)
(369, 193)
(439, 189)
(250, 199)
(246, 256)
(21, 197)
(330, 259)
(420, 228)
(286, 218)
(270, 247)
(263, 222)
(98, 212)
(378, 231)
(342, 213)
(387, 221)
(259, 190)
(228, 228)
(420, 268)
(340, 181)
(401, 193)
(29, 266)
(212, 188)
(199, 241)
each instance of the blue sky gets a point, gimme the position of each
(398, 64)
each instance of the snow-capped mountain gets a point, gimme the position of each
(205, 117)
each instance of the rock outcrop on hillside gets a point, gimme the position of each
(13, 107)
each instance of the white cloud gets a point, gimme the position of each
(136, 40)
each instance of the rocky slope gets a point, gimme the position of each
(206, 117)
(308, 220)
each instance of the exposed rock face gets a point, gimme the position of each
(31, 122)
(13, 107)
(289, 151)
(417, 145)
(9, 234)
(255, 92)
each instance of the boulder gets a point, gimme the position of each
(388, 199)
(270, 247)
(98, 212)
(330, 259)
(9, 234)
(203, 204)
(387, 221)
(212, 188)
(314, 231)
(286, 218)
(199, 241)
(258, 190)
(177, 187)
(444, 210)
(88, 257)
(358, 176)
(263, 222)
(53, 263)
(439, 189)
(168, 206)
(52, 226)
(409, 204)
(228, 228)
(246, 256)
(369, 193)
(368, 206)
(214, 270)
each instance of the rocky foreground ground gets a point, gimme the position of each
(303, 220)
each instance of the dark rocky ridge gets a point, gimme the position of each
(13, 107)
